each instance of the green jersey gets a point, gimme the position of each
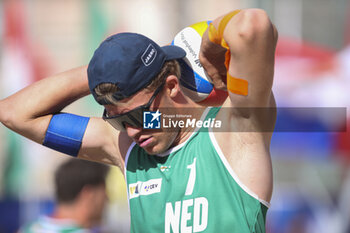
(190, 188)
(52, 225)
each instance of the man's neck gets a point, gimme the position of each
(71, 212)
(193, 111)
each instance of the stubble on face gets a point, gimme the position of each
(161, 142)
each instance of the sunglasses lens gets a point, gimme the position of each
(132, 118)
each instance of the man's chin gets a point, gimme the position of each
(160, 146)
(153, 151)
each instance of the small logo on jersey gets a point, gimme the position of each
(151, 120)
(145, 188)
(149, 55)
(165, 168)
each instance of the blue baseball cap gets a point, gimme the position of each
(129, 60)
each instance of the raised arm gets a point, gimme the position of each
(237, 52)
(29, 112)
(248, 40)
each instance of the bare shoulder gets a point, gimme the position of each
(246, 146)
(249, 38)
(102, 143)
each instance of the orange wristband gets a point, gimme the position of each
(237, 85)
(213, 34)
(216, 35)
(234, 85)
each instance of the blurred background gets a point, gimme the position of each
(311, 169)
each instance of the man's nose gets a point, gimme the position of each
(132, 131)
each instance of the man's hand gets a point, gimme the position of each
(251, 39)
(212, 58)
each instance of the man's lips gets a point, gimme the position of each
(144, 142)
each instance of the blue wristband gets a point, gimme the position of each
(65, 133)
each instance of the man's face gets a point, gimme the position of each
(152, 141)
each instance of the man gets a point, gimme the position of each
(81, 196)
(178, 181)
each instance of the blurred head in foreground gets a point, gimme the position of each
(81, 197)
(81, 191)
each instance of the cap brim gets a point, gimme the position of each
(173, 52)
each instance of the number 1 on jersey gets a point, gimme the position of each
(192, 178)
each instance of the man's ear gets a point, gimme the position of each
(87, 193)
(172, 85)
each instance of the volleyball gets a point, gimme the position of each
(195, 82)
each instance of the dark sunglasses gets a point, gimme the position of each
(133, 117)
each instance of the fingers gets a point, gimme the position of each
(218, 82)
(217, 72)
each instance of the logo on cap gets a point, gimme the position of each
(149, 55)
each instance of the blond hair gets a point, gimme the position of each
(104, 91)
